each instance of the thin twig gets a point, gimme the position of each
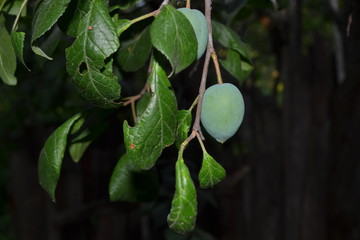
(193, 104)
(161, 6)
(196, 125)
(348, 26)
(151, 14)
(18, 15)
(217, 67)
(133, 99)
(201, 143)
(133, 112)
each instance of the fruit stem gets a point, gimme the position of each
(201, 143)
(194, 103)
(217, 67)
(188, 2)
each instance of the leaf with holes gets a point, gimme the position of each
(131, 184)
(182, 216)
(86, 58)
(157, 125)
(172, 34)
(211, 172)
(51, 156)
(46, 15)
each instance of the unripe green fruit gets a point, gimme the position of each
(198, 22)
(222, 111)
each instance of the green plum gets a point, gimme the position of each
(222, 111)
(198, 22)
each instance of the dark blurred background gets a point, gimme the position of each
(293, 168)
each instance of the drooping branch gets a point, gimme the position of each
(210, 52)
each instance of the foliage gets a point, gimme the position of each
(105, 46)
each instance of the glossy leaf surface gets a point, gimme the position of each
(141, 105)
(86, 58)
(157, 125)
(172, 34)
(182, 216)
(211, 172)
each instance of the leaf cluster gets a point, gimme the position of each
(95, 59)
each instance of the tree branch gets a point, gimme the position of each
(209, 52)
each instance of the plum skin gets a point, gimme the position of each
(222, 111)
(198, 22)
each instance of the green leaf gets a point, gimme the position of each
(70, 20)
(182, 216)
(157, 125)
(184, 123)
(211, 172)
(236, 66)
(46, 15)
(172, 34)
(141, 105)
(86, 58)
(13, 8)
(229, 39)
(131, 184)
(7, 58)
(84, 131)
(126, 4)
(17, 39)
(134, 56)
(121, 25)
(51, 156)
